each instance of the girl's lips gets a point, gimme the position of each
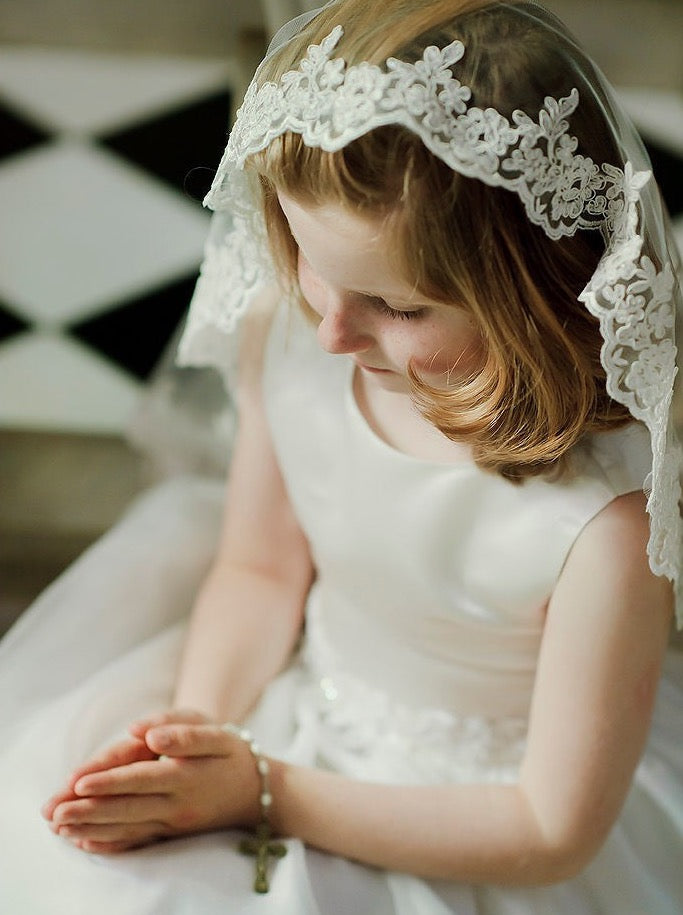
(372, 368)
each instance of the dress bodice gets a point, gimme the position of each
(432, 578)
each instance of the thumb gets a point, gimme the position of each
(190, 740)
(174, 716)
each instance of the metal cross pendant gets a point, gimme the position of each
(261, 846)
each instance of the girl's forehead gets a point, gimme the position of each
(335, 220)
(348, 250)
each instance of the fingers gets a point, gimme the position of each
(122, 811)
(181, 716)
(151, 775)
(49, 807)
(109, 848)
(191, 740)
(115, 836)
(121, 754)
(137, 792)
(143, 777)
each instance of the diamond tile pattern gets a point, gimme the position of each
(17, 134)
(103, 160)
(170, 146)
(135, 334)
(92, 92)
(50, 382)
(10, 324)
(101, 239)
(83, 230)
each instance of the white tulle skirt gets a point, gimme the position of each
(100, 648)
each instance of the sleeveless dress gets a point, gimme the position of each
(417, 666)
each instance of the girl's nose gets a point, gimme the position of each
(342, 329)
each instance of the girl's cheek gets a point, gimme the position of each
(310, 288)
(436, 370)
(451, 363)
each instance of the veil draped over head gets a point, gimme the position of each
(487, 132)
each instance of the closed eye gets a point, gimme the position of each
(403, 315)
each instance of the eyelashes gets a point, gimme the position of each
(307, 275)
(396, 313)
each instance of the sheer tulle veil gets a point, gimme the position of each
(634, 292)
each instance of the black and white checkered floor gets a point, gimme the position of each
(103, 162)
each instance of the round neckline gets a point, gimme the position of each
(383, 444)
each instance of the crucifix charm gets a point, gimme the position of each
(261, 846)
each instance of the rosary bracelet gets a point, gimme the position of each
(261, 845)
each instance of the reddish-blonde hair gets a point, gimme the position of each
(541, 386)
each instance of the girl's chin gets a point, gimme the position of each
(386, 380)
(372, 370)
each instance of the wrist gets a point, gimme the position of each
(278, 779)
(261, 846)
(258, 806)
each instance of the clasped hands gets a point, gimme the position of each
(178, 773)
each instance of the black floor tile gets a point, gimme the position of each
(17, 134)
(668, 170)
(183, 147)
(10, 324)
(135, 334)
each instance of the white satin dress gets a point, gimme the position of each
(418, 664)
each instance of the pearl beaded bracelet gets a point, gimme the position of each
(261, 846)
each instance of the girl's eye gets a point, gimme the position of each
(386, 309)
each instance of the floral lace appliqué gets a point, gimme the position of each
(330, 104)
(387, 740)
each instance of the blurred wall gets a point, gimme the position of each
(637, 42)
(193, 27)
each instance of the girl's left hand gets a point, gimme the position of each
(205, 779)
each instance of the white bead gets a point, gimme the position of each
(262, 765)
(328, 688)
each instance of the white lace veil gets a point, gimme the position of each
(525, 145)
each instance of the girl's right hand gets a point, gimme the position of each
(129, 750)
(197, 778)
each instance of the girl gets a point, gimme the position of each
(439, 598)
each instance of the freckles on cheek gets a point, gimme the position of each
(461, 357)
(438, 363)
(433, 353)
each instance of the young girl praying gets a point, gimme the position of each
(418, 669)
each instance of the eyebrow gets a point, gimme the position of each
(395, 300)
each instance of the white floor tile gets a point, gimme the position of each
(89, 91)
(80, 229)
(53, 383)
(658, 114)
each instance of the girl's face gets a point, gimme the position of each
(367, 311)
